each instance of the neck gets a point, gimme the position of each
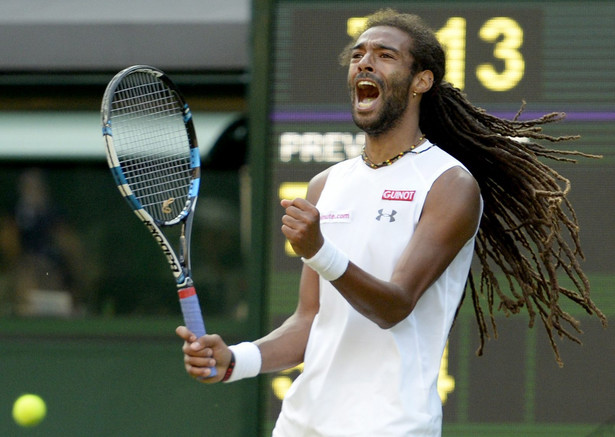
(389, 145)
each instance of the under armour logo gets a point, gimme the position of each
(390, 215)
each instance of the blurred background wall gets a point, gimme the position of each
(87, 305)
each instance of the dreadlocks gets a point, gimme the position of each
(529, 229)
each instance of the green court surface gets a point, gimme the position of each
(113, 378)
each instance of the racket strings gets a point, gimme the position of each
(152, 144)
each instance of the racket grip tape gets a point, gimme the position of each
(193, 317)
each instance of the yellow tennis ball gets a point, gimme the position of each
(29, 410)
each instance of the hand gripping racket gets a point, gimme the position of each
(153, 155)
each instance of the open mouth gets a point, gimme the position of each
(367, 93)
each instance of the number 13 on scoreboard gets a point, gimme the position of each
(503, 33)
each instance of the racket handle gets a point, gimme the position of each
(193, 317)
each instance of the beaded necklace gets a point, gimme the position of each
(389, 161)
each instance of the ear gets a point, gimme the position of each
(422, 81)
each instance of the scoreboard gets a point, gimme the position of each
(558, 56)
(555, 55)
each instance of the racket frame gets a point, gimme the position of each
(179, 261)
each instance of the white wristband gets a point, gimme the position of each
(248, 361)
(329, 262)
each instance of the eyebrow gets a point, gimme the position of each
(378, 46)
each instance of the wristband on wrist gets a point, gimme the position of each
(329, 262)
(229, 369)
(246, 362)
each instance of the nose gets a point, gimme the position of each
(365, 64)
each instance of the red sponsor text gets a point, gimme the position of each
(403, 195)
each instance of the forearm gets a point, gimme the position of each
(384, 303)
(284, 347)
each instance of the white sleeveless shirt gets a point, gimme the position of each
(360, 380)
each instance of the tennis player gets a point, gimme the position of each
(387, 239)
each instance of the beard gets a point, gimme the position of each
(394, 106)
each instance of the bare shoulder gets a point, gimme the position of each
(455, 198)
(316, 185)
(457, 181)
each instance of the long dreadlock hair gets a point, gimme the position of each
(529, 229)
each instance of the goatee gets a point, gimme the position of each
(394, 106)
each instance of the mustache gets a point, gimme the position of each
(367, 75)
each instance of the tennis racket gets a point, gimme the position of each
(153, 155)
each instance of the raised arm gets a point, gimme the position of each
(449, 218)
(285, 346)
